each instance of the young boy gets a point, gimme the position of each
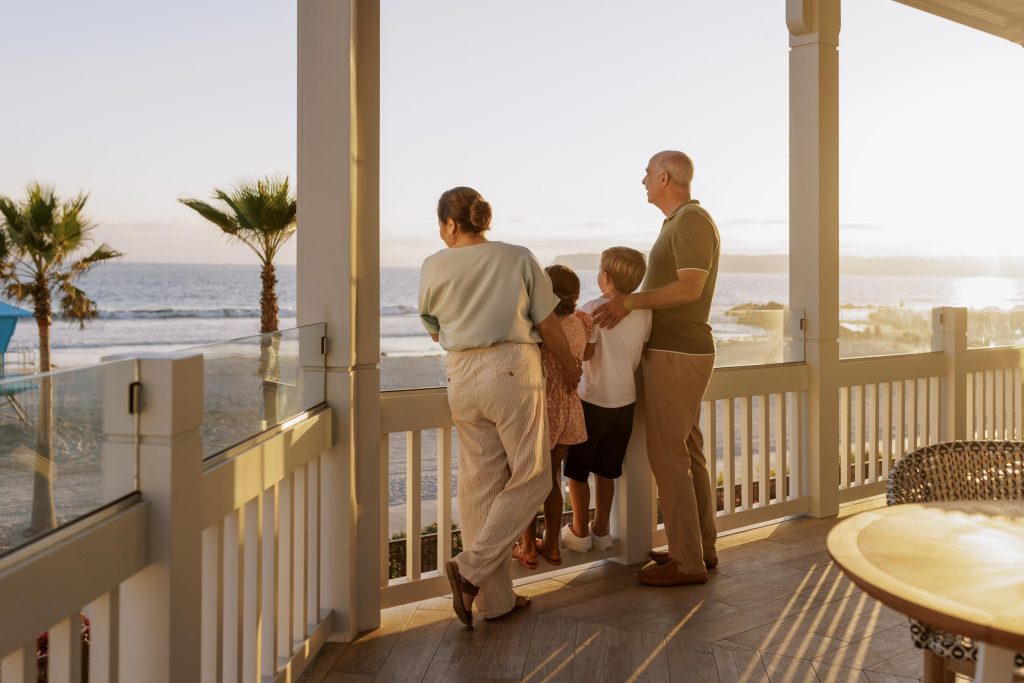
(608, 392)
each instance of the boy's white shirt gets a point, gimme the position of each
(608, 376)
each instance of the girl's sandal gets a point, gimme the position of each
(459, 586)
(528, 560)
(549, 557)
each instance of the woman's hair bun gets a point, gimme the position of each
(466, 207)
(480, 214)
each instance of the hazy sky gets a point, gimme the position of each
(550, 109)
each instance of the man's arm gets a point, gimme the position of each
(555, 342)
(687, 288)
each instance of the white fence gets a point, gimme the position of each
(210, 571)
(888, 406)
(754, 421)
(993, 394)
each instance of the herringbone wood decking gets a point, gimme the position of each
(776, 609)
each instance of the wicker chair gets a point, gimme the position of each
(955, 470)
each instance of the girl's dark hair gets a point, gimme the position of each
(567, 288)
(466, 207)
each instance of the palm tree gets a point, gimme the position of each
(41, 259)
(261, 215)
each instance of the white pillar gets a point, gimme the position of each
(119, 433)
(633, 520)
(160, 606)
(338, 283)
(949, 335)
(814, 228)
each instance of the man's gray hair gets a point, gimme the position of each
(678, 166)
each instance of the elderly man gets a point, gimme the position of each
(677, 367)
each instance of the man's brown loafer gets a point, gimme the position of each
(668, 574)
(661, 557)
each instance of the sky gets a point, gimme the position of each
(550, 109)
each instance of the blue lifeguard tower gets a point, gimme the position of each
(9, 316)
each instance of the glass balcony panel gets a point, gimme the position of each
(56, 465)
(255, 383)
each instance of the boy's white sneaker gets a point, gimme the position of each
(600, 542)
(572, 541)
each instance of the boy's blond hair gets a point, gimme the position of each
(625, 267)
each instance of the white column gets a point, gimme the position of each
(949, 335)
(338, 283)
(119, 438)
(814, 228)
(160, 606)
(632, 521)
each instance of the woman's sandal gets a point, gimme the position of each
(528, 560)
(459, 586)
(522, 601)
(549, 557)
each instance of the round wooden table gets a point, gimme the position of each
(957, 566)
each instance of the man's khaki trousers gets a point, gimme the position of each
(674, 385)
(496, 395)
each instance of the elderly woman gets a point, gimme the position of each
(490, 304)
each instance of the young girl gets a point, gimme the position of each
(565, 417)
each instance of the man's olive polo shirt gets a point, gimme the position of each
(688, 240)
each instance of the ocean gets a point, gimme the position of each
(162, 307)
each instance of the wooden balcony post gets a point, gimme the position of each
(814, 228)
(338, 277)
(160, 606)
(949, 335)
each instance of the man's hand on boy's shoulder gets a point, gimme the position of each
(610, 314)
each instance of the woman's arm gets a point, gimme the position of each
(555, 342)
(588, 352)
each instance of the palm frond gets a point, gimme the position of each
(5, 248)
(221, 219)
(9, 210)
(71, 230)
(104, 252)
(19, 290)
(258, 213)
(75, 306)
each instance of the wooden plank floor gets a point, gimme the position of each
(776, 609)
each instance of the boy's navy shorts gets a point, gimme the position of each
(608, 432)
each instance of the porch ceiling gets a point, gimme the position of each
(1003, 18)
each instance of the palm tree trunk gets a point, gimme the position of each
(268, 299)
(269, 344)
(44, 516)
(270, 375)
(43, 322)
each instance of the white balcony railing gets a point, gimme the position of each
(754, 424)
(210, 569)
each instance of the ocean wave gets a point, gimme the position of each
(169, 313)
(403, 334)
(389, 310)
(182, 342)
